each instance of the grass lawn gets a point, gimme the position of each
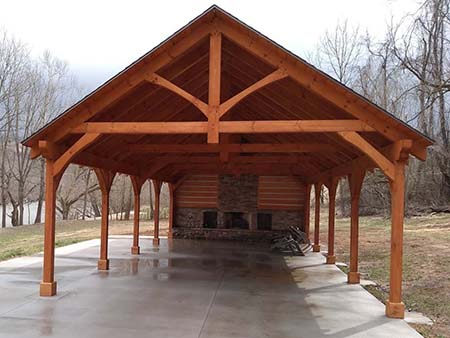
(29, 239)
(426, 256)
(426, 264)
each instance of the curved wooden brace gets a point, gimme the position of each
(105, 179)
(272, 77)
(359, 142)
(64, 160)
(137, 182)
(160, 81)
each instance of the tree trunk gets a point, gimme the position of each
(129, 203)
(151, 209)
(86, 191)
(38, 218)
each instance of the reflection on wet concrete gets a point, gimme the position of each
(198, 289)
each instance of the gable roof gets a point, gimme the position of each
(250, 54)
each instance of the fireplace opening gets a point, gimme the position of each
(210, 219)
(264, 221)
(235, 220)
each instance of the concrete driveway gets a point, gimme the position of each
(189, 289)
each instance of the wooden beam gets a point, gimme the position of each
(137, 183)
(233, 127)
(332, 185)
(160, 81)
(284, 159)
(64, 160)
(359, 142)
(233, 148)
(215, 53)
(272, 77)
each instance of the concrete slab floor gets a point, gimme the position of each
(189, 289)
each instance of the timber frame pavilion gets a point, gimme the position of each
(218, 97)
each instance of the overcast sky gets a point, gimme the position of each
(99, 38)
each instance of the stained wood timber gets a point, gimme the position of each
(308, 77)
(105, 180)
(356, 179)
(235, 127)
(280, 192)
(49, 150)
(157, 190)
(272, 77)
(332, 187)
(358, 141)
(307, 211)
(159, 80)
(137, 183)
(317, 190)
(394, 306)
(251, 159)
(197, 191)
(215, 60)
(64, 160)
(48, 284)
(172, 188)
(233, 148)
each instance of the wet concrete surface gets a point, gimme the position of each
(189, 289)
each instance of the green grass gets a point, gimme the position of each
(29, 239)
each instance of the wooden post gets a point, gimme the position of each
(105, 179)
(394, 306)
(356, 179)
(137, 183)
(332, 187)
(215, 53)
(307, 211)
(171, 209)
(48, 284)
(317, 188)
(157, 189)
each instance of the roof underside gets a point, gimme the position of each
(286, 99)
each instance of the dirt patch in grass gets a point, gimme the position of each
(426, 263)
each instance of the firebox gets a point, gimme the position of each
(236, 220)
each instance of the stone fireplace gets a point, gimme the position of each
(236, 207)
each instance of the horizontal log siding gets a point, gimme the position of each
(197, 191)
(281, 192)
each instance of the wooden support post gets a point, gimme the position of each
(48, 284)
(215, 52)
(105, 179)
(332, 187)
(157, 189)
(137, 183)
(356, 179)
(317, 188)
(306, 220)
(171, 209)
(394, 306)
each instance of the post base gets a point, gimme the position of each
(135, 250)
(331, 259)
(353, 277)
(47, 289)
(156, 241)
(395, 310)
(103, 264)
(316, 248)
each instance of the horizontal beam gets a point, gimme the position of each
(234, 127)
(215, 160)
(233, 148)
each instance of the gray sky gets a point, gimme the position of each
(99, 38)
